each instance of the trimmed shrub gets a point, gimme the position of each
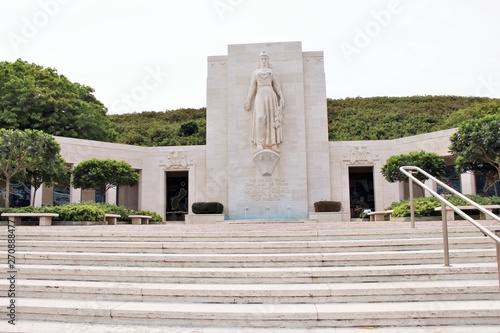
(327, 206)
(155, 217)
(76, 212)
(207, 208)
(425, 206)
(123, 211)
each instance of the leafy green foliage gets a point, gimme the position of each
(155, 217)
(431, 162)
(103, 174)
(76, 212)
(385, 118)
(34, 97)
(472, 112)
(124, 211)
(476, 146)
(169, 128)
(425, 206)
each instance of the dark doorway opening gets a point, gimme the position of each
(177, 195)
(361, 192)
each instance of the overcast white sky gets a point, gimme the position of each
(151, 55)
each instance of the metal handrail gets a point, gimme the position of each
(444, 203)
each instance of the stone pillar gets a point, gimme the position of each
(316, 121)
(468, 182)
(111, 196)
(75, 194)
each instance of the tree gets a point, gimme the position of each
(34, 97)
(430, 162)
(103, 174)
(24, 150)
(476, 146)
(48, 173)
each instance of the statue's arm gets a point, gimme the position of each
(251, 92)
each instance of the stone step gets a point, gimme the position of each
(311, 315)
(177, 233)
(258, 275)
(32, 326)
(253, 247)
(446, 290)
(255, 260)
(278, 278)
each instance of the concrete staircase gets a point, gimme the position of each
(241, 277)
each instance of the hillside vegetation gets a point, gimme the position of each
(376, 118)
(170, 128)
(383, 118)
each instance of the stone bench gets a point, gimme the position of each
(450, 213)
(140, 219)
(380, 215)
(112, 218)
(43, 218)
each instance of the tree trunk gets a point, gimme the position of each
(7, 192)
(103, 195)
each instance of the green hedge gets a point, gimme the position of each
(86, 211)
(207, 208)
(155, 217)
(327, 206)
(425, 206)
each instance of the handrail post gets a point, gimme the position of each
(412, 204)
(445, 235)
(497, 232)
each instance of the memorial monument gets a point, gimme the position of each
(267, 153)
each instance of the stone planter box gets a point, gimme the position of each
(329, 216)
(203, 218)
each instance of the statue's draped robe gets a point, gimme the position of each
(267, 116)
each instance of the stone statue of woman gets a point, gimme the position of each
(267, 107)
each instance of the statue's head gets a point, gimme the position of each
(264, 60)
